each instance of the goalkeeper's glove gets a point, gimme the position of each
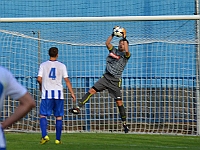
(124, 35)
(113, 32)
(124, 32)
(124, 39)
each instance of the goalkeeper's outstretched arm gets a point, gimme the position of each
(108, 42)
(126, 48)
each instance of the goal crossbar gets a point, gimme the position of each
(99, 19)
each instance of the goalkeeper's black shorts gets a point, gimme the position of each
(107, 81)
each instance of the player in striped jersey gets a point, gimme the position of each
(111, 80)
(10, 87)
(50, 75)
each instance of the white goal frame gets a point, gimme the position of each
(127, 18)
(99, 19)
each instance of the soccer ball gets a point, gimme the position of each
(117, 31)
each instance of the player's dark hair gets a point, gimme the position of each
(53, 51)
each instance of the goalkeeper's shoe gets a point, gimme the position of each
(74, 110)
(126, 129)
(58, 142)
(44, 139)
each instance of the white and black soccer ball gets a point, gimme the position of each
(117, 31)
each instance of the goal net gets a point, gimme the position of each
(159, 84)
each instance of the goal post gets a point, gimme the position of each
(160, 84)
(101, 19)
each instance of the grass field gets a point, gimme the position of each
(103, 141)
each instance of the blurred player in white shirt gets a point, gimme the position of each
(10, 87)
(50, 78)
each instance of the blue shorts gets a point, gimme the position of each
(47, 106)
(2, 140)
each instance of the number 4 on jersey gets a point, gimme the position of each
(52, 73)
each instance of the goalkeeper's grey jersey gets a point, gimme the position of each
(116, 62)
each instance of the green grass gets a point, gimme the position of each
(103, 141)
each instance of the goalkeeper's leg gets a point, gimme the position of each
(122, 113)
(82, 102)
(99, 86)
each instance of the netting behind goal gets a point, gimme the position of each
(160, 90)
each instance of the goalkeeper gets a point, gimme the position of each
(111, 79)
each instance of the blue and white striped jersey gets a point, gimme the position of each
(52, 73)
(9, 86)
